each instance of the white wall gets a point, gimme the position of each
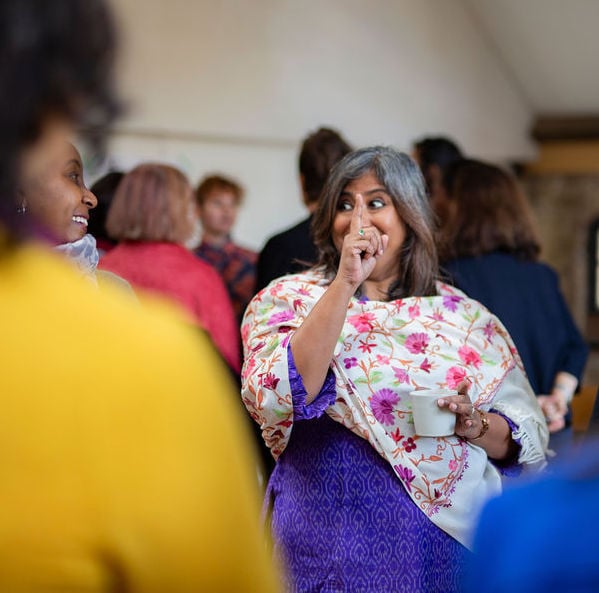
(234, 85)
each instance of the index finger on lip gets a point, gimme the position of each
(356, 217)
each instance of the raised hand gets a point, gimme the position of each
(362, 245)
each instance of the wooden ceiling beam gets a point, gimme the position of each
(566, 127)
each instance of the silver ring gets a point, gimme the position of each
(361, 232)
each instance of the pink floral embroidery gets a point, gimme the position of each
(382, 403)
(413, 311)
(270, 381)
(438, 316)
(416, 351)
(245, 331)
(362, 322)
(469, 356)
(397, 305)
(298, 304)
(417, 343)
(396, 435)
(450, 302)
(281, 317)
(489, 330)
(401, 375)
(409, 444)
(405, 475)
(454, 376)
(366, 346)
(426, 366)
(248, 367)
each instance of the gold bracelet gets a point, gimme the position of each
(485, 424)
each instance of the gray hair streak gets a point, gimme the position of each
(417, 266)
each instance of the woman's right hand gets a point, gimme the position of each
(362, 245)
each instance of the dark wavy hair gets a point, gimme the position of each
(436, 151)
(320, 151)
(491, 213)
(417, 267)
(104, 189)
(56, 59)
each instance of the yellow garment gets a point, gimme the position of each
(124, 463)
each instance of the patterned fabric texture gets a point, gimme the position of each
(386, 350)
(237, 267)
(354, 529)
(84, 254)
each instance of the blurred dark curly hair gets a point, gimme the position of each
(56, 59)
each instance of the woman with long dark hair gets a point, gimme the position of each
(490, 249)
(359, 501)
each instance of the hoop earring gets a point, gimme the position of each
(22, 209)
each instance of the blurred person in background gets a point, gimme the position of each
(294, 250)
(218, 200)
(360, 502)
(111, 480)
(151, 217)
(433, 155)
(103, 188)
(490, 249)
(541, 537)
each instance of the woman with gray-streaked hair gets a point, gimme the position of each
(360, 501)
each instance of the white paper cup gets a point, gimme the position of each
(429, 419)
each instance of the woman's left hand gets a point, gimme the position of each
(468, 422)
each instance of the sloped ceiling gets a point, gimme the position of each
(551, 49)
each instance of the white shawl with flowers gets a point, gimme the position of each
(386, 350)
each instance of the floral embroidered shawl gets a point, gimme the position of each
(386, 350)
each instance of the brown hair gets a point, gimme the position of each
(218, 183)
(320, 151)
(437, 151)
(490, 213)
(153, 202)
(417, 266)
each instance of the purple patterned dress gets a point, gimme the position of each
(341, 519)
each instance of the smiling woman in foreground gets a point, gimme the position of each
(359, 501)
(57, 198)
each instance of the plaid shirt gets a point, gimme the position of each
(237, 267)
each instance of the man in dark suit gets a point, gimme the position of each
(293, 249)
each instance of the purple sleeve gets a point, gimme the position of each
(325, 398)
(509, 467)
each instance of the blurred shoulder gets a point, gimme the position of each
(70, 312)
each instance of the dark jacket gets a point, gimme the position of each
(527, 299)
(291, 251)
